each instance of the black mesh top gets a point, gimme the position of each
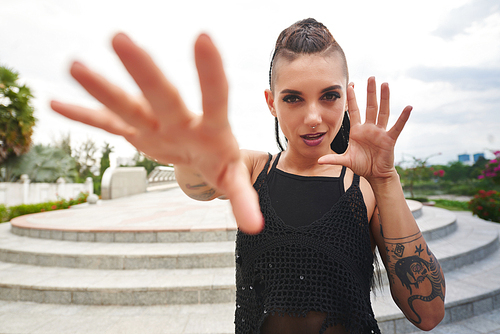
(314, 278)
(300, 200)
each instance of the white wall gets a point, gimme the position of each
(25, 192)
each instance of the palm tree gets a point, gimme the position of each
(16, 116)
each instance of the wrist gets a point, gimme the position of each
(387, 187)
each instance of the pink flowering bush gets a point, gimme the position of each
(439, 173)
(492, 170)
(486, 205)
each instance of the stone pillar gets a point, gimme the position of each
(25, 180)
(89, 185)
(61, 185)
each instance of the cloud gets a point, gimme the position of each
(466, 78)
(461, 18)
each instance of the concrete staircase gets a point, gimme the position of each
(119, 256)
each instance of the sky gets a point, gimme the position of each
(441, 57)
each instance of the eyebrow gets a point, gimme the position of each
(327, 89)
(334, 87)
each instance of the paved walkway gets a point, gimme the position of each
(146, 213)
(27, 317)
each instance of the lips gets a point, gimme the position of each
(313, 139)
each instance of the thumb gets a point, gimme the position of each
(335, 159)
(244, 199)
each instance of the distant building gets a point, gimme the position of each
(464, 158)
(477, 156)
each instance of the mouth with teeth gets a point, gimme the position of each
(313, 139)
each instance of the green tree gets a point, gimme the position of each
(86, 160)
(456, 171)
(16, 118)
(417, 171)
(105, 163)
(142, 161)
(64, 143)
(44, 163)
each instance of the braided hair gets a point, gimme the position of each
(310, 37)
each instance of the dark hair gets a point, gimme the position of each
(307, 37)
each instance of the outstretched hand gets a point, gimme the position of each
(371, 147)
(159, 124)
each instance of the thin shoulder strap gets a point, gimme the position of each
(341, 180)
(355, 180)
(275, 163)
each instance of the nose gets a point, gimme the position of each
(313, 117)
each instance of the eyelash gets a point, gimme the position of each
(334, 96)
(287, 99)
(328, 96)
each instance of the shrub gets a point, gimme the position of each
(486, 205)
(452, 205)
(6, 214)
(492, 169)
(419, 199)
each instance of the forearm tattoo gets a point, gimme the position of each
(198, 193)
(408, 265)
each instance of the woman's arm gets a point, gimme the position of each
(415, 276)
(159, 124)
(416, 279)
(196, 186)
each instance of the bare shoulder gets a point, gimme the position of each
(255, 162)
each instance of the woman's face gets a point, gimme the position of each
(309, 100)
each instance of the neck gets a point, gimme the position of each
(296, 163)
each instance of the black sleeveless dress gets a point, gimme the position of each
(313, 277)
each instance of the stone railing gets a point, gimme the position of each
(162, 177)
(126, 181)
(25, 192)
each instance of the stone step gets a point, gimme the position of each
(436, 223)
(188, 286)
(28, 317)
(123, 256)
(20, 282)
(471, 290)
(172, 319)
(473, 240)
(163, 217)
(451, 250)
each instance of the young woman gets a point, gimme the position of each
(310, 224)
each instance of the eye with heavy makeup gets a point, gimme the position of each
(294, 97)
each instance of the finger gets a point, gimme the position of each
(113, 97)
(103, 119)
(395, 131)
(335, 159)
(163, 97)
(371, 101)
(244, 200)
(383, 115)
(354, 116)
(213, 82)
